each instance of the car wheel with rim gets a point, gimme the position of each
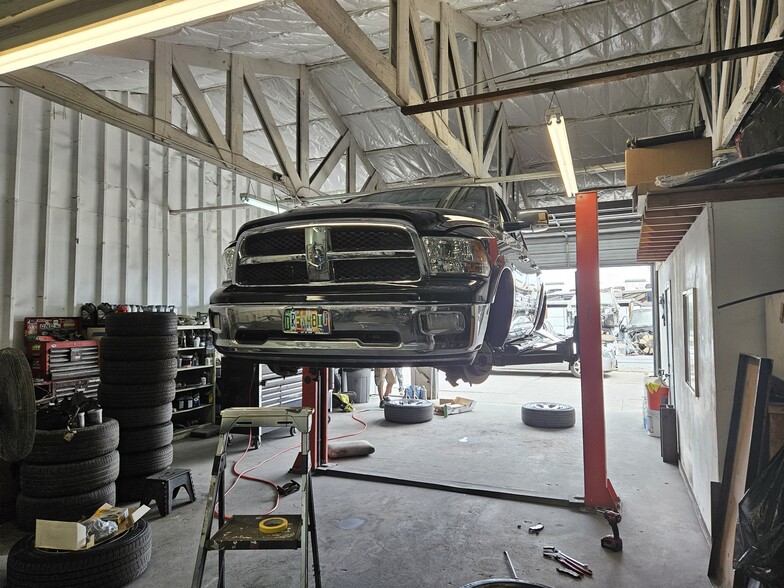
(548, 415)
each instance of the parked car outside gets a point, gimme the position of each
(638, 330)
(434, 276)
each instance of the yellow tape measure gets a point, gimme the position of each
(273, 525)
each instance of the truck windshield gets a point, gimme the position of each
(466, 199)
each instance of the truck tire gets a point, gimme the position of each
(135, 418)
(68, 479)
(138, 372)
(132, 489)
(408, 412)
(146, 462)
(87, 443)
(112, 564)
(145, 439)
(138, 348)
(62, 508)
(548, 415)
(574, 368)
(141, 324)
(134, 396)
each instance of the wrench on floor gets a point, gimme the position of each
(568, 561)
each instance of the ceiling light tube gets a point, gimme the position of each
(132, 18)
(259, 203)
(556, 127)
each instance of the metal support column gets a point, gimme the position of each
(315, 390)
(598, 489)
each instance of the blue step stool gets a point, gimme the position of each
(163, 487)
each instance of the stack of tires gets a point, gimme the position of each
(138, 368)
(68, 474)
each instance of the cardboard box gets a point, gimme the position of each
(454, 405)
(644, 164)
(73, 536)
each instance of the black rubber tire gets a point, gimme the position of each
(138, 372)
(141, 324)
(137, 418)
(131, 489)
(68, 479)
(145, 439)
(408, 412)
(548, 415)
(136, 396)
(112, 564)
(575, 369)
(138, 348)
(146, 462)
(87, 443)
(63, 508)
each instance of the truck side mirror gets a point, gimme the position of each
(529, 221)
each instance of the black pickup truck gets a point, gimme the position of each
(435, 276)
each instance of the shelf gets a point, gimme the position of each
(184, 410)
(186, 432)
(195, 367)
(194, 387)
(193, 327)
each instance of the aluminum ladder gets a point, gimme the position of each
(242, 531)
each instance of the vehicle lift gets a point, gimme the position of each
(245, 531)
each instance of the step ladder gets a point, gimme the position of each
(242, 531)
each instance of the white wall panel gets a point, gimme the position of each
(84, 216)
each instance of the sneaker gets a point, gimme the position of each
(381, 403)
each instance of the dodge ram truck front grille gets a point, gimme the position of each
(323, 253)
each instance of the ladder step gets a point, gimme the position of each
(242, 532)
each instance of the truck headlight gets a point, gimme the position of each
(456, 255)
(227, 264)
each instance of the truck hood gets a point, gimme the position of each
(426, 220)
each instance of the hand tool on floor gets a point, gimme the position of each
(612, 542)
(535, 529)
(569, 572)
(566, 560)
(511, 567)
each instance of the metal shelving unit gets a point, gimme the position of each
(195, 394)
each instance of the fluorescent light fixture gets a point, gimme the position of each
(82, 31)
(259, 203)
(556, 127)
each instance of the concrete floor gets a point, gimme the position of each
(383, 535)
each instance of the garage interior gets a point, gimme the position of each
(139, 136)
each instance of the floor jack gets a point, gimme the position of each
(258, 531)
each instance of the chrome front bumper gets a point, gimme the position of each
(362, 334)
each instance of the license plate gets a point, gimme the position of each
(311, 321)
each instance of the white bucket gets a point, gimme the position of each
(652, 423)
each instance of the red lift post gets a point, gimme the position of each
(599, 492)
(315, 387)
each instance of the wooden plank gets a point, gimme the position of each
(742, 460)
(53, 87)
(235, 104)
(303, 123)
(466, 113)
(161, 93)
(726, 68)
(421, 52)
(271, 129)
(329, 163)
(400, 11)
(692, 195)
(493, 135)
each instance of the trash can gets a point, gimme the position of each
(656, 392)
(359, 380)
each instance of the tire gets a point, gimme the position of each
(68, 479)
(548, 415)
(136, 396)
(131, 489)
(574, 368)
(112, 564)
(143, 324)
(87, 443)
(136, 418)
(138, 372)
(138, 348)
(146, 462)
(408, 412)
(64, 508)
(145, 439)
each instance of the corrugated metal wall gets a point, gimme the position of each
(84, 216)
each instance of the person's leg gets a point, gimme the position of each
(380, 379)
(390, 378)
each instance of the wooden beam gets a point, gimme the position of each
(329, 163)
(429, 82)
(199, 108)
(235, 104)
(466, 113)
(598, 78)
(303, 123)
(399, 11)
(692, 195)
(493, 135)
(271, 129)
(51, 86)
(694, 211)
(338, 24)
